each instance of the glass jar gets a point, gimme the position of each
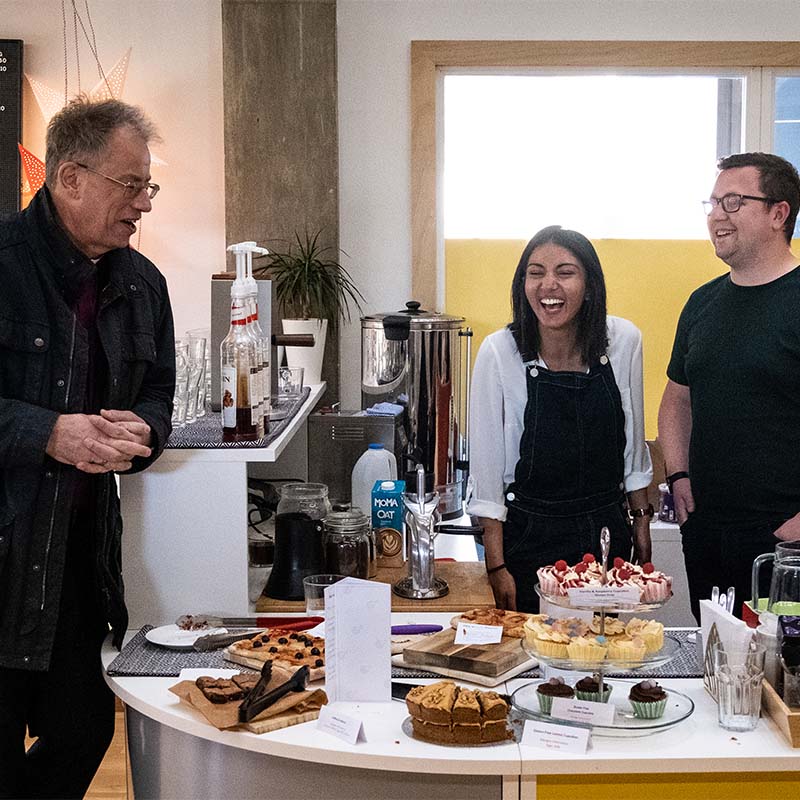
(349, 547)
(310, 499)
(299, 550)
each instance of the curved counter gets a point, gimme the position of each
(176, 753)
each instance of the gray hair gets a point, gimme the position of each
(82, 128)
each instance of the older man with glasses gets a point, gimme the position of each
(87, 374)
(729, 422)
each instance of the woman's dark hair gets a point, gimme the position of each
(592, 338)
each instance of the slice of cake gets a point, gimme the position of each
(466, 709)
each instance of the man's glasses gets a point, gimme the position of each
(731, 202)
(131, 188)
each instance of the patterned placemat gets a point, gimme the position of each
(206, 432)
(141, 659)
(685, 664)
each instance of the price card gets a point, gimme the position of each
(583, 711)
(342, 726)
(552, 736)
(608, 596)
(470, 633)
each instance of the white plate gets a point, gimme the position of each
(175, 638)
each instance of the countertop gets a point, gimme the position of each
(468, 583)
(697, 744)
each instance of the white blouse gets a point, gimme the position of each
(497, 408)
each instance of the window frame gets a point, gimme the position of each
(430, 59)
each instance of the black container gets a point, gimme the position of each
(299, 552)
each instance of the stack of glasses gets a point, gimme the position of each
(192, 377)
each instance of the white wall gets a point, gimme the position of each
(374, 122)
(175, 75)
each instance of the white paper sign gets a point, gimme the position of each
(358, 659)
(550, 736)
(470, 633)
(342, 726)
(596, 596)
(584, 711)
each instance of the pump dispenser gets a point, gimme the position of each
(239, 362)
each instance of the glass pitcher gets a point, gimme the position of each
(784, 590)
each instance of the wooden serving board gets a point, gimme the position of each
(284, 720)
(439, 650)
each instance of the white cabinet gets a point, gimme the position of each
(184, 543)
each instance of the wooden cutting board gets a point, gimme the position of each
(439, 650)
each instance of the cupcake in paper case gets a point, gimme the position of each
(648, 700)
(589, 689)
(555, 687)
(627, 648)
(588, 650)
(543, 640)
(651, 631)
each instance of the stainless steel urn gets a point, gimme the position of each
(413, 358)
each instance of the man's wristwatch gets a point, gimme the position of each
(676, 476)
(648, 512)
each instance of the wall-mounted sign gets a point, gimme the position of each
(10, 123)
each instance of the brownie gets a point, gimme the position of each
(219, 690)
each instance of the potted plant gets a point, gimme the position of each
(313, 289)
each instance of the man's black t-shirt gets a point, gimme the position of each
(737, 348)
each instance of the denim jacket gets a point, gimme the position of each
(43, 364)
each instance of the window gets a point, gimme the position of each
(613, 156)
(786, 122)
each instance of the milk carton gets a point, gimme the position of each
(387, 522)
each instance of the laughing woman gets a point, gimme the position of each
(557, 423)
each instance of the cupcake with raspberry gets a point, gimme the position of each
(648, 700)
(588, 688)
(555, 687)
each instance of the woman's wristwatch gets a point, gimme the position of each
(648, 512)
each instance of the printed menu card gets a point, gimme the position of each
(358, 666)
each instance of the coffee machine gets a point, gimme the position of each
(414, 360)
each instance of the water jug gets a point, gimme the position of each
(374, 464)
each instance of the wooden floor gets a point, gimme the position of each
(112, 781)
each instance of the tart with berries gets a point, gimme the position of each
(290, 649)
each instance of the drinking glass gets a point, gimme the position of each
(197, 367)
(739, 672)
(204, 384)
(290, 382)
(314, 591)
(181, 383)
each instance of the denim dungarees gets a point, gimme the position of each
(568, 482)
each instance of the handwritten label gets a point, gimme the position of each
(342, 726)
(606, 596)
(551, 736)
(583, 711)
(470, 633)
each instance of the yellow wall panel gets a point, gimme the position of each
(648, 283)
(701, 786)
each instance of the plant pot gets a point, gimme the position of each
(310, 358)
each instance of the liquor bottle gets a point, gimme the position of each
(238, 366)
(263, 344)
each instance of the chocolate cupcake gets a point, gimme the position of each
(648, 700)
(555, 687)
(588, 688)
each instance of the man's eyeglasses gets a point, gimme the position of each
(732, 202)
(131, 188)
